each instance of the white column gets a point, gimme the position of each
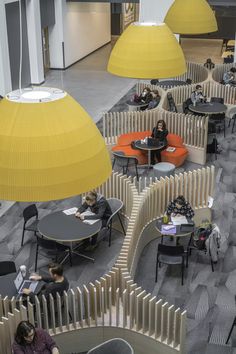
(35, 41)
(154, 10)
(56, 35)
(5, 71)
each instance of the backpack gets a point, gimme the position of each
(201, 235)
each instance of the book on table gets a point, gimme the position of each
(179, 220)
(168, 229)
(70, 211)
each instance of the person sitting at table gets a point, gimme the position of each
(101, 209)
(55, 283)
(229, 77)
(180, 207)
(159, 132)
(144, 97)
(197, 95)
(209, 64)
(31, 340)
(155, 100)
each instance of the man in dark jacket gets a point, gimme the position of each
(55, 283)
(101, 209)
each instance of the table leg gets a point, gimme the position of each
(149, 159)
(73, 251)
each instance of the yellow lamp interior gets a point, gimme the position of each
(49, 150)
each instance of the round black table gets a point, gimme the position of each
(171, 83)
(135, 106)
(179, 233)
(208, 108)
(146, 147)
(7, 286)
(67, 228)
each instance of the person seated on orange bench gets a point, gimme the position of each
(159, 132)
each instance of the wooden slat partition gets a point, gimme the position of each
(193, 129)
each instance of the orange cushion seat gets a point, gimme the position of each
(128, 151)
(180, 154)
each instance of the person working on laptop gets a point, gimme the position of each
(179, 207)
(56, 283)
(159, 132)
(101, 209)
(31, 340)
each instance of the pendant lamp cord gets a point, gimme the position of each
(21, 44)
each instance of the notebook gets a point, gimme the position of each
(179, 220)
(89, 221)
(168, 229)
(70, 211)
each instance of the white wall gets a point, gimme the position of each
(86, 28)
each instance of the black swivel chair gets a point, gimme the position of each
(186, 104)
(217, 99)
(116, 205)
(124, 161)
(171, 103)
(7, 267)
(219, 121)
(55, 247)
(171, 255)
(28, 213)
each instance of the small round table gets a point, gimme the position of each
(146, 147)
(60, 227)
(178, 233)
(170, 83)
(208, 108)
(135, 106)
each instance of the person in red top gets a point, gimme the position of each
(31, 340)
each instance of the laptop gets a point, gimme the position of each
(153, 142)
(21, 284)
(187, 227)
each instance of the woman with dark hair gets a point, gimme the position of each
(180, 207)
(159, 132)
(31, 340)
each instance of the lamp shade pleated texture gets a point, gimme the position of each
(147, 52)
(191, 17)
(49, 151)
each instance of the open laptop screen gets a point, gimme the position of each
(19, 280)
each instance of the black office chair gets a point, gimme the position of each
(125, 162)
(186, 104)
(217, 99)
(171, 103)
(7, 267)
(28, 213)
(116, 205)
(55, 247)
(219, 121)
(171, 255)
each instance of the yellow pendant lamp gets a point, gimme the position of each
(49, 147)
(191, 17)
(145, 51)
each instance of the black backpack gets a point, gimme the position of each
(201, 235)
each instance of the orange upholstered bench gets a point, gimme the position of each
(180, 154)
(124, 144)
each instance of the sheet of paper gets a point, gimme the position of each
(168, 230)
(70, 211)
(87, 213)
(90, 221)
(179, 220)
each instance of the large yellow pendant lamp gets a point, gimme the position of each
(191, 17)
(147, 50)
(49, 147)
